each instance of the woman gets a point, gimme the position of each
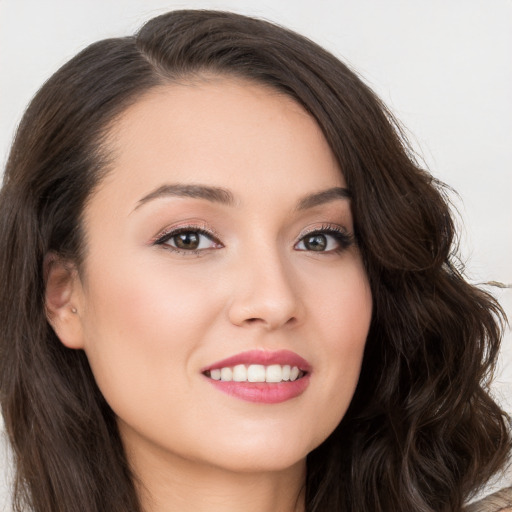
(228, 285)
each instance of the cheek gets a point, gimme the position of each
(350, 318)
(142, 326)
(343, 316)
(342, 308)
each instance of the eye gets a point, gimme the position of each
(328, 239)
(188, 239)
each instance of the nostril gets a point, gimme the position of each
(263, 307)
(257, 320)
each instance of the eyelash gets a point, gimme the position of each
(168, 235)
(344, 239)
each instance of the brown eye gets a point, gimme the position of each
(316, 242)
(327, 240)
(189, 240)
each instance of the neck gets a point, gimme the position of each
(173, 484)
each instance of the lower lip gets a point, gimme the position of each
(263, 392)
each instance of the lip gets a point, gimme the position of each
(263, 357)
(262, 392)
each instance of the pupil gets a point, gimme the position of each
(188, 240)
(316, 243)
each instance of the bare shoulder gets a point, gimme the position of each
(500, 501)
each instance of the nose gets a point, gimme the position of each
(265, 293)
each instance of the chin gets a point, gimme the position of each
(264, 453)
(261, 463)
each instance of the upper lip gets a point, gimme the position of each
(263, 357)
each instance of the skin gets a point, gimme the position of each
(150, 318)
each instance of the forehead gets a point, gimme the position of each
(220, 131)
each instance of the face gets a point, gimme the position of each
(223, 305)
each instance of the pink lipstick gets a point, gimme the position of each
(261, 376)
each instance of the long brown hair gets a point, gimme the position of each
(422, 432)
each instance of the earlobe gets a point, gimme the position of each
(62, 299)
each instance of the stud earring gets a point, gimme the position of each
(74, 311)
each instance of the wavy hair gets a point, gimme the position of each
(422, 432)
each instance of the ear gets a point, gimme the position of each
(63, 298)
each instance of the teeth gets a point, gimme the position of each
(294, 373)
(256, 373)
(240, 373)
(226, 374)
(274, 373)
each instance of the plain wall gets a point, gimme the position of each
(443, 67)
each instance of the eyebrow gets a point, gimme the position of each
(224, 196)
(325, 196)
(215, 194)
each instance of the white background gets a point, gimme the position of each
(443, 66)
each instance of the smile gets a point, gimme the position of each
(261, 376)
(256, 373)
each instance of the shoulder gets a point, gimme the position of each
(500, 501)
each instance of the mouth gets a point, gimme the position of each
(260, 376)
(273, 373)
